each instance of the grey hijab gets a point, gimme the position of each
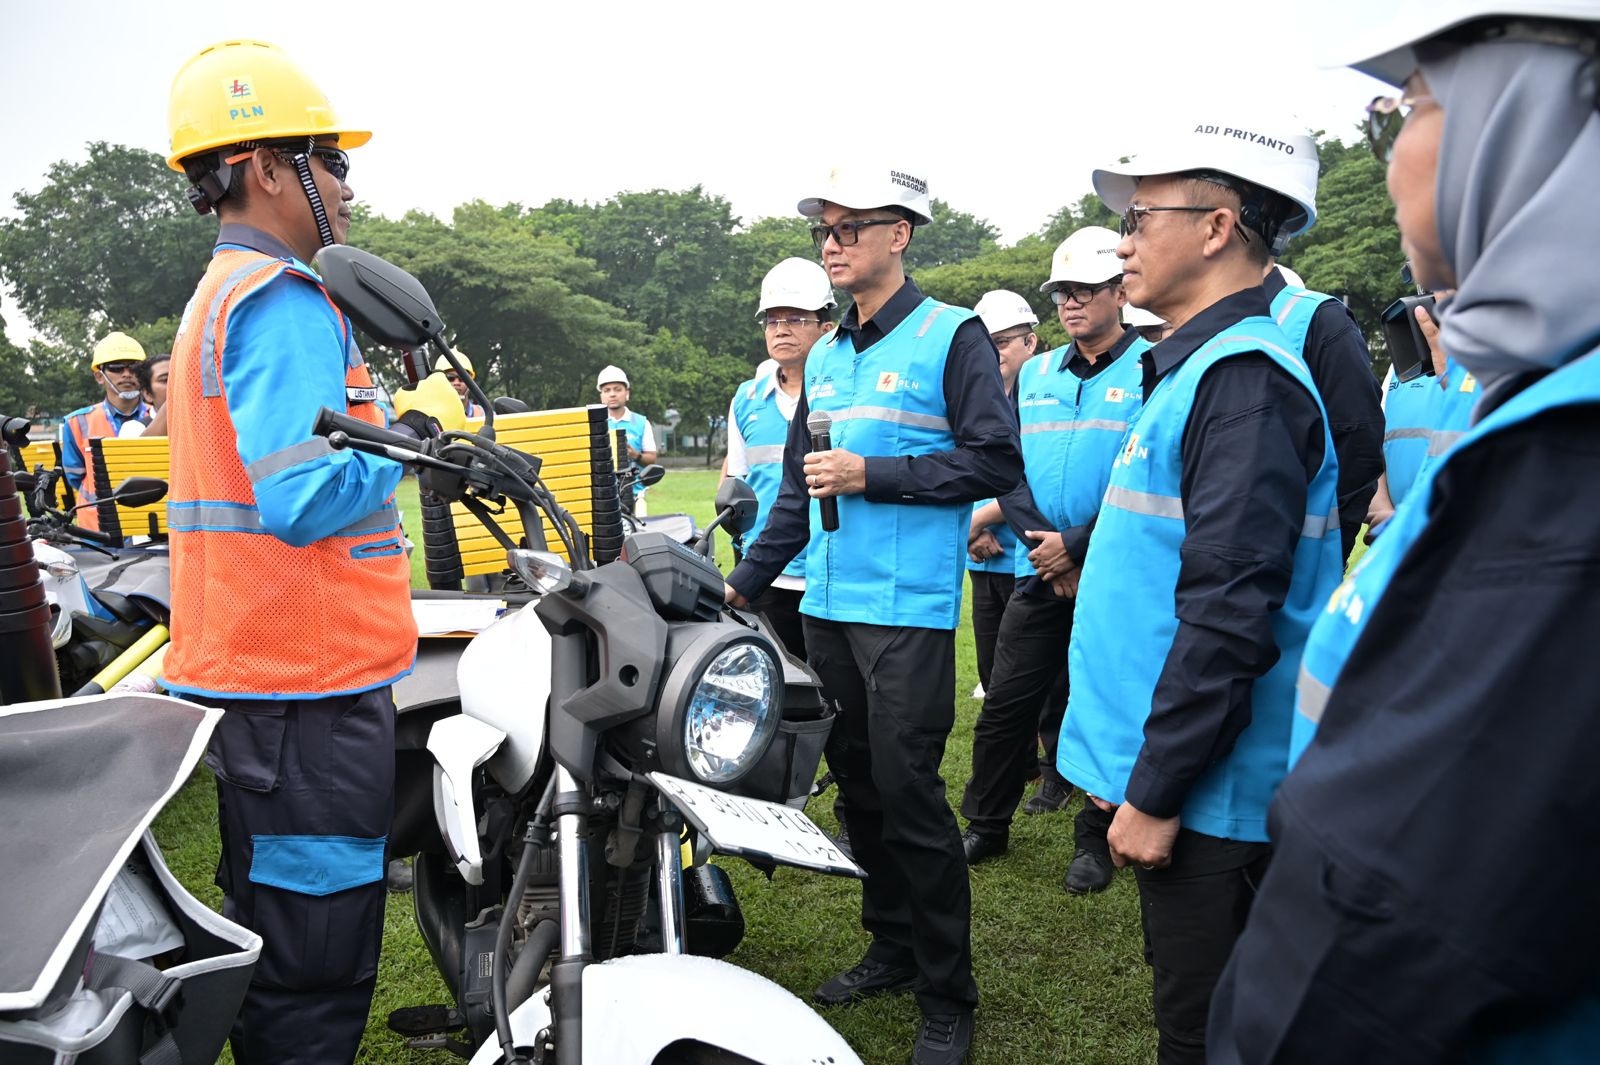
(1518, 206)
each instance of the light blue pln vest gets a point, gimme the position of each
(888, 564)
(1125, 621)
(765, 431)
(1293, 308)
(1072, 431)
(633, 426)
(1451, 413)
(1342, 621)
(1407, 416)
(1006, 561)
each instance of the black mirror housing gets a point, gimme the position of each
(384, 301)
(140, 491)
(652, 474)
(739, 497)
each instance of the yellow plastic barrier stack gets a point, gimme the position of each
(115, 460)
(578, 466)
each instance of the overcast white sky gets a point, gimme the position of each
(1005, 106)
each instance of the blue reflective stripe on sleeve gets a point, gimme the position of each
(209, 386)
(316, 865)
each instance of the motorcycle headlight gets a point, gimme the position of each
(718, 707)
(732, 713)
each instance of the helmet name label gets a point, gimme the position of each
(1243, 134)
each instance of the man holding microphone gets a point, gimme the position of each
(918, 428)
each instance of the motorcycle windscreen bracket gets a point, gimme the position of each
(754, 828)
(460, 745)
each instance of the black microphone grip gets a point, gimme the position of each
(830, 504)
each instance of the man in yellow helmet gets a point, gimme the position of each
(115, 366)
(458, 383)
(290, 583)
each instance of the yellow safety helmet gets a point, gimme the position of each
(435, 397)
(116, 347)
(247, 90)
(442, 366)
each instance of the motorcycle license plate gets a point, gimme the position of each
(753, 828)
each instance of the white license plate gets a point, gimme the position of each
(753, 828)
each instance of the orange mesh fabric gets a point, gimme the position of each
(252, 615)
(84, 428)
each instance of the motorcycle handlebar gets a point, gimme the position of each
(329, 422)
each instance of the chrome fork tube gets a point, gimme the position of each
(669, 891)
(571, 831)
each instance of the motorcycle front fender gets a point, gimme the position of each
(459, 745)
(635, 1007)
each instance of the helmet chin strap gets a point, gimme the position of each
(302, 166)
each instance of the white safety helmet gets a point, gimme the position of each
(861, 187)
(1276, 155)
(611, 375)
(1290, 277)
(1002, 309)
(797, 283)
(1140, 318)
(1383, 37)
(1088, 257)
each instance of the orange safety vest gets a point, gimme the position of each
(252, 615)
(87, 425)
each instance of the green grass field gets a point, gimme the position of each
(1061, 978)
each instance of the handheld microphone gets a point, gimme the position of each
(818, 423)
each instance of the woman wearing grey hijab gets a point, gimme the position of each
(1432, 893)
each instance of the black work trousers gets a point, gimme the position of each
(895, 689)
(990, 593)
(1025, 705)
(1192, 911)
(305, 794)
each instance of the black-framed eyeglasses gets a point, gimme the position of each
(1386, 116)
(119, 367)
(337, 160)
(846, 233)
(1002, 339)
(793, 321)
(1132, 216)
(1080, 293)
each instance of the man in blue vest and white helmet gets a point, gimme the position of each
(1073, 406)
(1431, 898)
(1216, 545)
(920, 430)
(615, 390)
(796, 309)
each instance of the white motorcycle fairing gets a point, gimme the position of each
(460, 745)
(634, 1007)
(504, 680)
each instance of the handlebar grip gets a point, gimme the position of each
(329, 421)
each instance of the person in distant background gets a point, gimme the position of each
(612, 383)
(115, 365)
(153, 386)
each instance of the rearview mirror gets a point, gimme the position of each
(740, 498)
(384, 301)
(651, 474)
(509, 405)
(140, 491)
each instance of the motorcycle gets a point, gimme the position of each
(107, 601)
(621, 716)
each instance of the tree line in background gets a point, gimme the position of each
(662, 283)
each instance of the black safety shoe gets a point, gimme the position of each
(1051, 797)
(841, 839)
(944, 1039)
(867, 979)
(1088, 872)
(980, 845)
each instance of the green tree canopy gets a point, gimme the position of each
(953, 237)
(107, 243)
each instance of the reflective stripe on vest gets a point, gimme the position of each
(765, 431)
(254, 616)
(1349, 609)
(85, 425)
(1293, 309)
(1407, 417)
(1125, 620)
(888, 564)
(1072, 430)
